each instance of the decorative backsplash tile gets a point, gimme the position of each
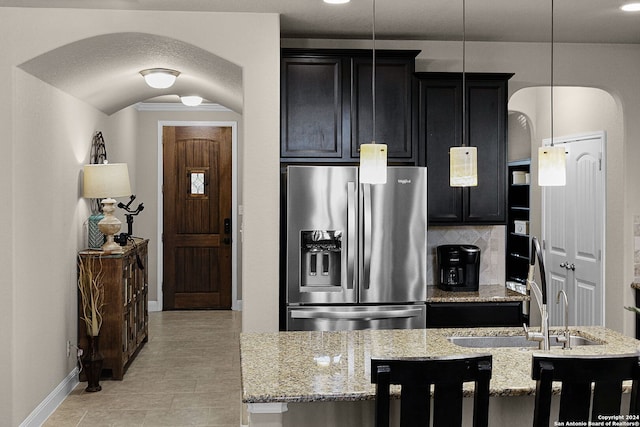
(490, 240)
(636, 247)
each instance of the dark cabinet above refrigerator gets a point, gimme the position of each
(326, 104)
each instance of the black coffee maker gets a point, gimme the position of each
(458, 267)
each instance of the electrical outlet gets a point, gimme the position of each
(68, 348)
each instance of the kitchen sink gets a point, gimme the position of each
(515, 341)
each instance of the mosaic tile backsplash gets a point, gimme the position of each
(490, 240)
(636, 252)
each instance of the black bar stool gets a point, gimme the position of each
(417, 375)
(578, 374)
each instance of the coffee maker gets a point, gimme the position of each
(458, 267)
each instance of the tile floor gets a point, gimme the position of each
(187, 374)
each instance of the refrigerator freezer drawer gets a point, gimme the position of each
(346, 318)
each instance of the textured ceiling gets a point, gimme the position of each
(103, 70)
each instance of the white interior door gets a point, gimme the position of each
(573, 232)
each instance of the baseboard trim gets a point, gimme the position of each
(154, 306)
(48, 406)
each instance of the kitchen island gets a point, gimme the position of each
(324, 379)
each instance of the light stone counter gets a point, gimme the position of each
(303, 368)
(485, 293)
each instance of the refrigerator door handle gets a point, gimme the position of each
(356, 315)
(366, 241)
(351, 234)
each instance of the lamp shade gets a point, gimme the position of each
(552, 166)
(106, 180)
(373, 163)
(463, 167)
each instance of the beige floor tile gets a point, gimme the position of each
(188, 373)
(113, 418)
(65, 417)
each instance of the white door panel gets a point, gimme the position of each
(586, 302)
(573, 231)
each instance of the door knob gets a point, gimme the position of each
(563, 265)
(572, 267)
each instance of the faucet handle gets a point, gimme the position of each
(532, 336)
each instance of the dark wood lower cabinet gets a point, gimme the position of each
(125, 326)
(474, 314)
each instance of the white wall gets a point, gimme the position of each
(54, 133)
(37, 308)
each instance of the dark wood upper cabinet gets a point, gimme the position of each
(393, 105)
(326, 104)
(440, 125)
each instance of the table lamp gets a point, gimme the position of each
(105, 181)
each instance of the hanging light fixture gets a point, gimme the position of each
(373, 157)
(463, 160)
(552, 162)
(160, 78)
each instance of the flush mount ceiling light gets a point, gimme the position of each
(191, 100)
(160, 78)
(336, 1)
(631, 7)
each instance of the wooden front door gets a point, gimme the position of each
(197, 217)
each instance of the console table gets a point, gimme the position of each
(125, 325)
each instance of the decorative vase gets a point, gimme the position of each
(92, 364)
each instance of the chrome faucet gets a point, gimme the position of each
(565, 339)
(540, 294)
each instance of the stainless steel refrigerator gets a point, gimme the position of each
(356, 253)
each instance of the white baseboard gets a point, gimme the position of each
(154, 306)
(48, 406)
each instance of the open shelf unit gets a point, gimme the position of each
(518, 244)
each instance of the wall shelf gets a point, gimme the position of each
(518, 244)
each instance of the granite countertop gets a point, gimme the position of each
(485, 293)
(292, 367)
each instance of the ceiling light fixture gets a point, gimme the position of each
(631, 7)
(552, 163)
(160, 78)
(463, 160)
(336, 1)
(373, 157)
(191, 100)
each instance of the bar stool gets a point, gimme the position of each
(417, 375)
(578, 399)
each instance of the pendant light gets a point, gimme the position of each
(463, 160)
(552, 163)
(373, 157)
